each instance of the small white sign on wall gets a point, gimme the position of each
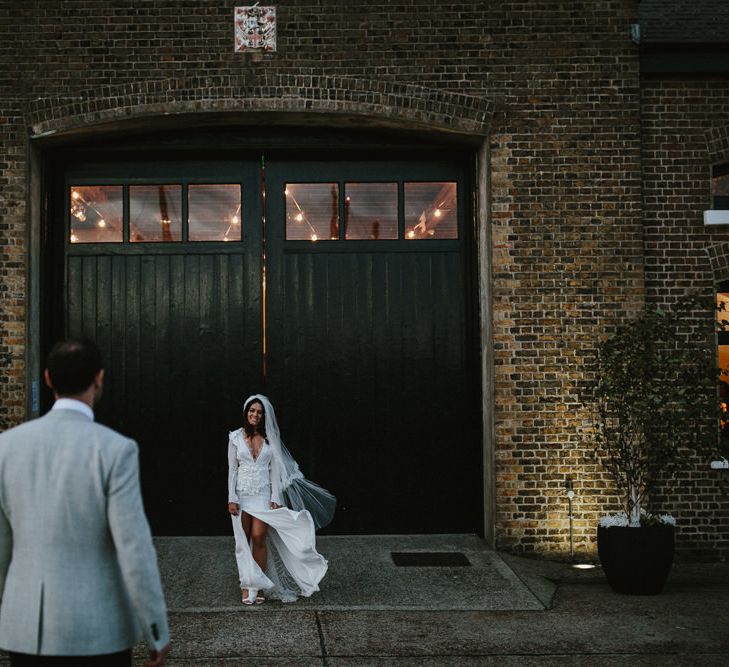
(255, 28)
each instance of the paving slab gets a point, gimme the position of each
(586, 619)
(601, 660)
(242, 635)
(199, 574)
(255, 661)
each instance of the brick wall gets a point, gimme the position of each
(685, 131)
(12, 262)
(558, 84)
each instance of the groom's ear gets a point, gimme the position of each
(47, 378)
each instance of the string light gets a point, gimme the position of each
(301, 216)
(79, 207)
(235, 219)
(411, 234)
(437, 213)
(74, 238)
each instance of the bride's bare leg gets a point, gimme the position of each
(245, 520)
(258, 542)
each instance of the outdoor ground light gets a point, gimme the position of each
(570, 495)
(570, 491)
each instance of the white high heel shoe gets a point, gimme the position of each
(248, 595)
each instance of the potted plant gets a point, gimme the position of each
(654, 399)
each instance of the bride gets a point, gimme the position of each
(275, 511)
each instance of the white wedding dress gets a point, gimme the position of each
(294, 566)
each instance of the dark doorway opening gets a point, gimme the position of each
(359, 320)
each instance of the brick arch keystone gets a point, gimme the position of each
(369, 102)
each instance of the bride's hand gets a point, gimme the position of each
(275, 506)
(233, 508)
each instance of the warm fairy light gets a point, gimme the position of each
(74, 238)
(411, 234)
(299, 217)
(165, 221)
(225, 238)
(286, 191)
(235, 220)
(347, 198)
(437, 213)
(314, 237)
(101, 223)
(75, 194)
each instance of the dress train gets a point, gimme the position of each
(294, 566)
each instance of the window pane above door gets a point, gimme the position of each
(431, 210)
(214, 212)
(154, 213)
(96, 213)
(312, 211)
(370, 211)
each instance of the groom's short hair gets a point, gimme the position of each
(73, 365)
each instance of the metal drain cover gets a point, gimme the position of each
(429, 559)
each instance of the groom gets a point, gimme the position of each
(78, 571)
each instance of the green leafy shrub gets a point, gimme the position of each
(654, 399)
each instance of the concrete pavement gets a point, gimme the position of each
(500, 609)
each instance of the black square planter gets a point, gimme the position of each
(636, 561)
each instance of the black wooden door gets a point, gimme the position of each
(366, 345)
(370, 355)
(179, 325)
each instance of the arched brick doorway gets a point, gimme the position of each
(365, 337)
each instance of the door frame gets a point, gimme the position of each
(43, 149)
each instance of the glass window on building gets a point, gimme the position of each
(722, 325)
(95, 214)
(720, 187)
(155, 213)
(370, 211)
(214, 212)
(431, 210)
(312, 211)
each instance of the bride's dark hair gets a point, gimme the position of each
(249, 430)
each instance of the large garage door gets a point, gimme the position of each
(341, 288)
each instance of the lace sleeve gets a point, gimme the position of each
(232, 472)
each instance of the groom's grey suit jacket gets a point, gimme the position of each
(78, 570)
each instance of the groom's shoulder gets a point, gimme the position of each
(49, 423)
(18, 431)
(109, 433)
